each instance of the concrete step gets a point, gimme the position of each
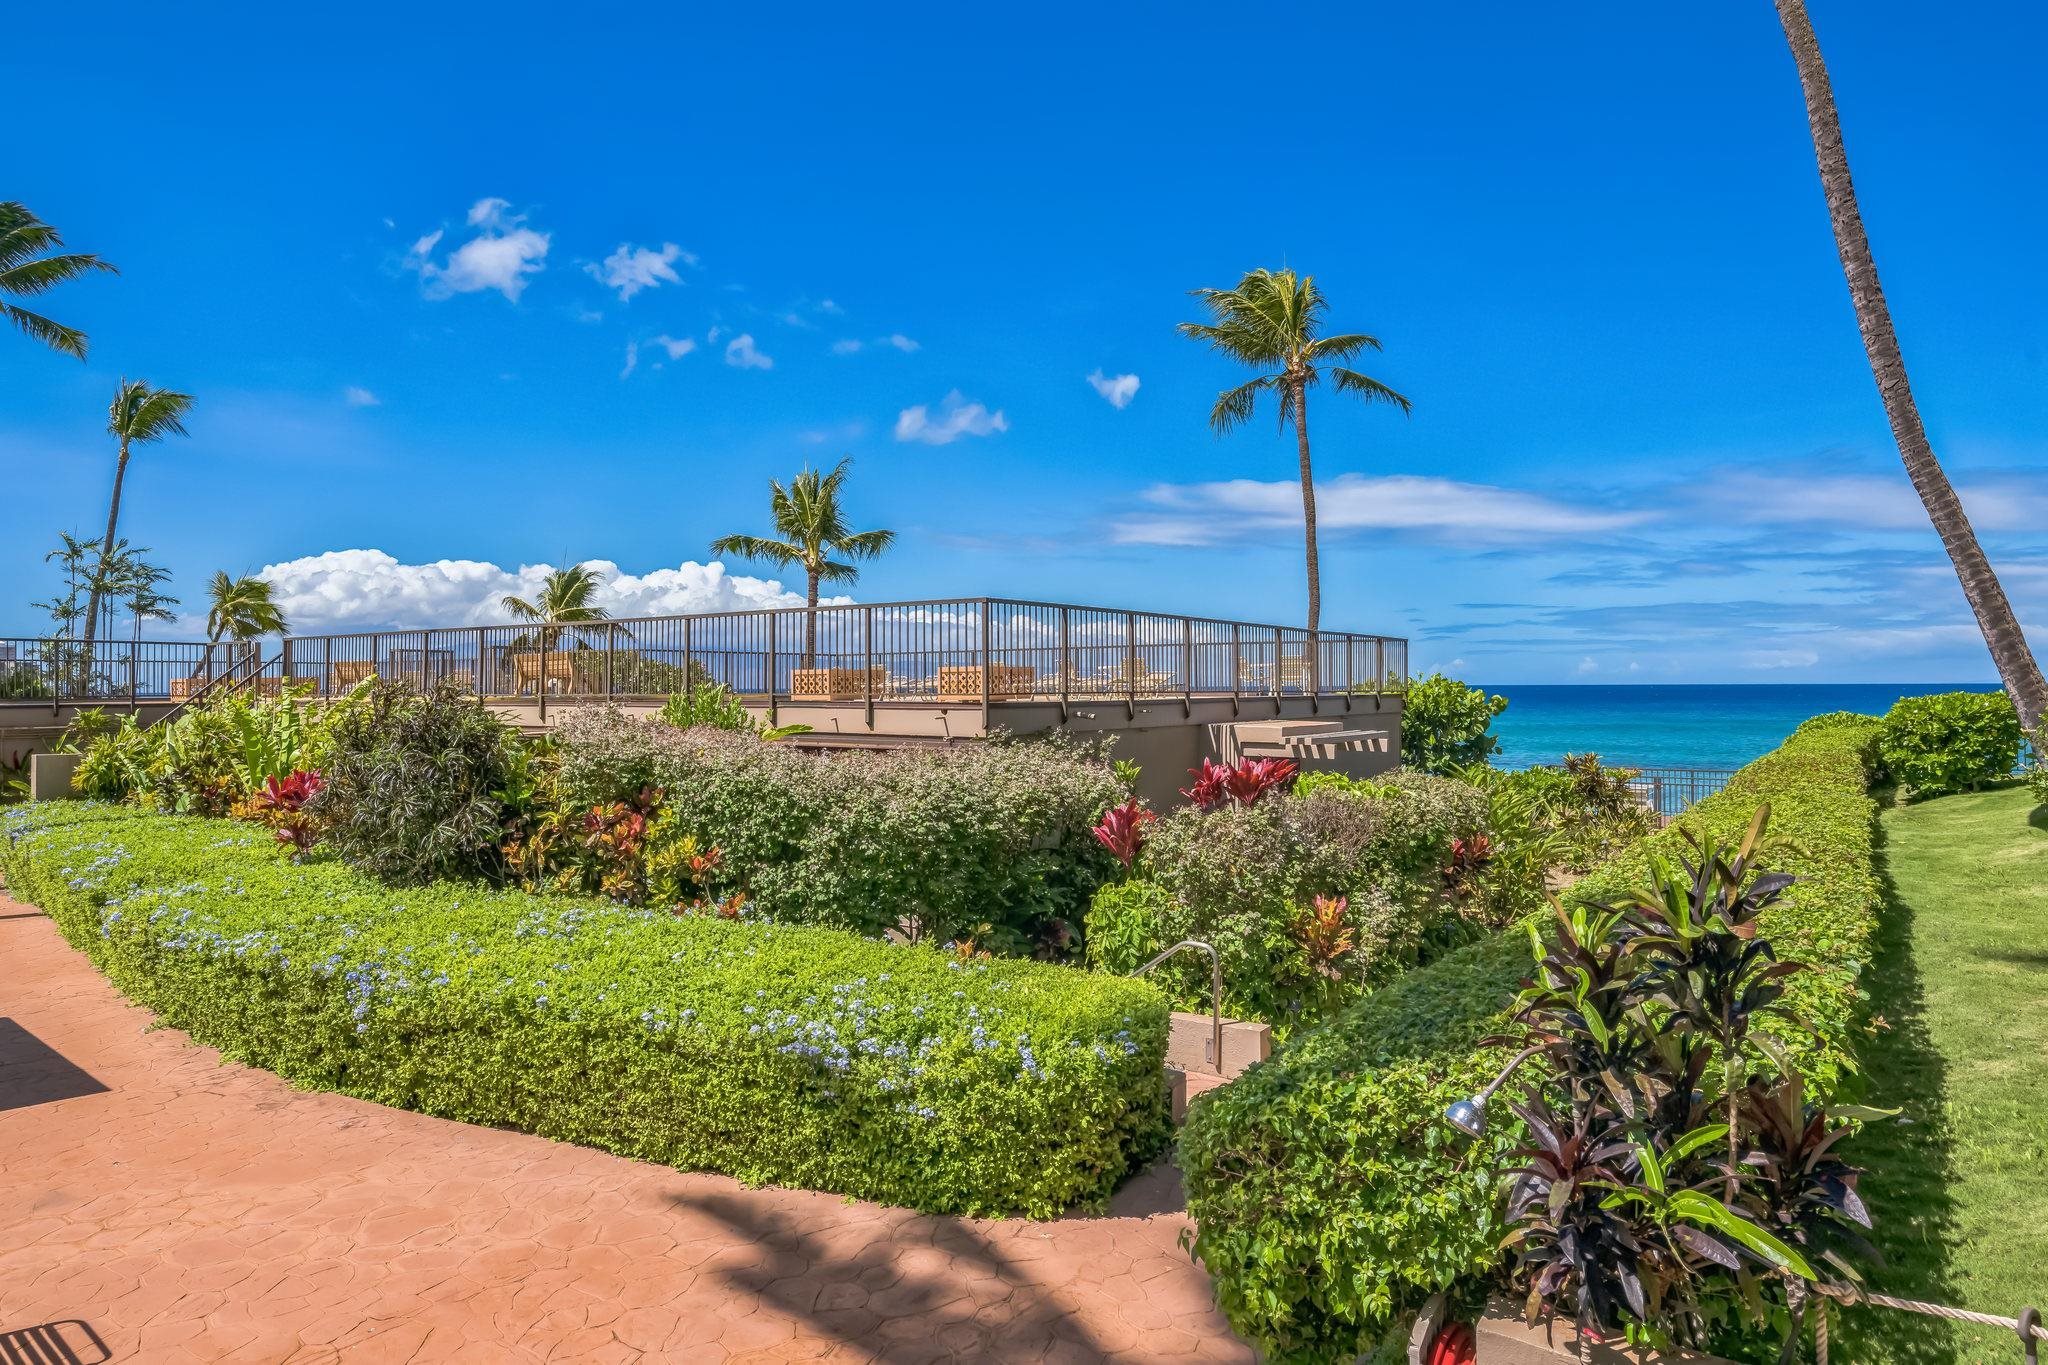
(1188, 1084)
(1190, 1045)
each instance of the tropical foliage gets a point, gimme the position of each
(567, 597)
(1336, 1152)
(243, 608)
(777, 1054)
(30, 264)
(1446, 725)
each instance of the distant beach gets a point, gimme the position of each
(1696, 726)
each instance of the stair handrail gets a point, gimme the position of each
(1215, 993)
(230, 680)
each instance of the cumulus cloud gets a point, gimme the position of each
(1206, 513)
(345, 590)
(502, 254)
(955, 418)
(631, 268)
(1116, 390)
(854, 345)
(900, 342)
(356, 396)
(741, 353)
(677, 348)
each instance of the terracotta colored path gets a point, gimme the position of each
(183, 1209)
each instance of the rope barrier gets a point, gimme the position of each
(2027, 1326)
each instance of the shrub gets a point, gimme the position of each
(413, 784)
(800, 1056)
(1949, 742)
(1335, 1153)
(1447, 725)
(210, 758)
(991, 842)
(710, 705)
(1247, 878)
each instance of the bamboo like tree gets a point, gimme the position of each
(135, 587)
(28, 267)
(812, 524)
(2017, 666)
(567, 597)
(1272, 322)
(78, 558)
(140, 415)
(243, 608)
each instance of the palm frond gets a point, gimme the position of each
(865, 544)
(47, 272)
(1367, 388)
(1234, 406)
(55, 335)
(141, 414)
(775, 552)
(1340, 348)
(832, 571)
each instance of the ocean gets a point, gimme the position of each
(1698, 726)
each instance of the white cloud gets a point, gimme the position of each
(830, 307)
(1874, 502)
(632, 359)
(501, 256)
(346, 590)
(1116, 390)
(356, 396)
(956, 418)
(631, 268)
(1205, 513)
(1587, 665)
(677, 348)
(740, 353)
(895, 340)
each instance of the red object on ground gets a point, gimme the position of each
(1454, 1345)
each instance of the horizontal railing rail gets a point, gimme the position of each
(59, 670)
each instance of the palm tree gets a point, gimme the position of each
(25, 271)
(2017, 667)
(808, 517)
(74, 554)
(1270, 322)
(566, 597)
(139, 415)
(242, 608)
(135, 587)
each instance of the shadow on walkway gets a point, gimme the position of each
(1909, 1161)
(69, 1342)
(33, 1072)
(856, 1294)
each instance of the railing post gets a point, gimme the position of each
(1066, 661)
(1236, 665)
(773, 665)
(540, 684)
(1187, 691)
(867, 663)
(327, 668)
(611, 634)
(986, 665)
(1279, 668)
(1131, 664)
(686, 664)
(133, 650)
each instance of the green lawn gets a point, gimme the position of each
(1960, 982)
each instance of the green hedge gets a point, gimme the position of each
(1949, 742)
(1330, 1195)
(798, 1056)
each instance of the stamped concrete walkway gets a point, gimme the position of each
(178, 1209)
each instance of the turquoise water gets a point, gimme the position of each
(1687, 727)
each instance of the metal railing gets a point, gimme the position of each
(1667, 791)
(57, 671)
(1215, 992)
(965, 650)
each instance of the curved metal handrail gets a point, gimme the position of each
(1215, 993)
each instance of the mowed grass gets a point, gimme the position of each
(1960, 985)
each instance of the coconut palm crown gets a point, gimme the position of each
(812, 524)
(139, 415)
(1272, 321)
(241, 608)
(26, 269)
(567, 597)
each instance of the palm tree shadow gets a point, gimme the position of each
(856, 1294)
(1909, 1161)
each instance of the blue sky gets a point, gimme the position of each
(680, 253)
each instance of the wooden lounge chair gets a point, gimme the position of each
(348, 673)
(528, 666)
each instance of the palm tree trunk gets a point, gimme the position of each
(92, 615)
(811, 619)
(2009, 651)
(1308, 522)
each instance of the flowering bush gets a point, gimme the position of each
(992, 842)
(774, 1053)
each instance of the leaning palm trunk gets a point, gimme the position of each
(2015, 661)
(92, 614)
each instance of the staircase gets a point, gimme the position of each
(1191, 1067)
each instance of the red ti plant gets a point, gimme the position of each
(1216, 785)
(1122, 830)
(1325, 935)
(282, 806)
(1469, 858)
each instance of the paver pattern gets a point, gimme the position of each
(198, 1210)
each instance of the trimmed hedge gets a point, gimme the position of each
(1949, 742)
(799, 1056)
(982, 841)
(1330, 1194)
